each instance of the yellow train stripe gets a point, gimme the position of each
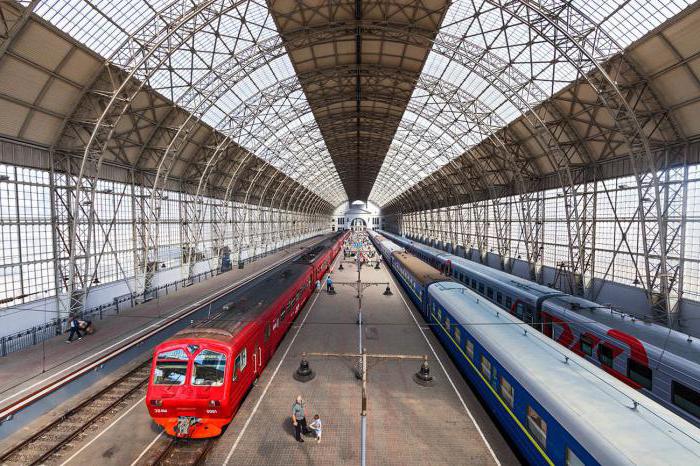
(495, 393)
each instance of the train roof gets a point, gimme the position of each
(423, 272)
(597, 409)
(653, 334)
(209, 333)
(532, 289)
(250, 302)
(311, 254)
(387, 243)
(246, 304)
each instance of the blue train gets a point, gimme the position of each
(663, 364)
(555, 407)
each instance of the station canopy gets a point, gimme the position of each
(367, 99)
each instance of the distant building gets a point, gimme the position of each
(357, 216)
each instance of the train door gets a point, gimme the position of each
(546, 325)
(535, 319)
(257, 360)
(520, 310)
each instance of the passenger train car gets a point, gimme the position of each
(200, 376)
(664, 364)
(554, 406)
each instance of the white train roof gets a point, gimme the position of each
(385, 242)
(593, 406)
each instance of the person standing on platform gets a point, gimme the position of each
(299, 419)
(329, 284)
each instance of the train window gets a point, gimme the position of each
(283, 312)
(268, 332)
(499, 298)
(481, 288)
(686, 398)
(572, 459)
(489, 293)
(473, 283)
(507, 392)
(486, 368)
(639, 373)
(586, 345)
(447, 324)
(458, 336)
(208, 368)
(171, 368)
(173, 354)
(470, 349)
(605, 355)
(520, 311)
(439, 314)
(241, 362)
(537, 426)
(509, 302)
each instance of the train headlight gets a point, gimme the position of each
(214, 403)
(156, 402)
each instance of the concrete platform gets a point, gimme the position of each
(25, 371)
(408, 424)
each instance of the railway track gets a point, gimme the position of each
(57, 436)
(178, 452)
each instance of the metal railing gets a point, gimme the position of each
(35, 335)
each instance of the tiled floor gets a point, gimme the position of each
(408, 424)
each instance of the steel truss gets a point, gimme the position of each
(255, 154)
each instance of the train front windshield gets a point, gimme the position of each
(208, 368)
(171, 368)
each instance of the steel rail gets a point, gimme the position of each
(22, 448)
(184, 452)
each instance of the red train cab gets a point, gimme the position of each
(199, 378)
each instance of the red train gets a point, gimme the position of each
(200, 375)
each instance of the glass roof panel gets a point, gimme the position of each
(527, 54)
(217, 50)
(105, 25)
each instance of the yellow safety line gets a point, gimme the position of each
(505, 406)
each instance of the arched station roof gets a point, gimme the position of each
(410, 104)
